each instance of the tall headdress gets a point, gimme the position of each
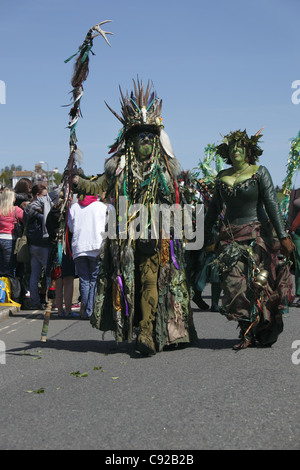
(141, 109)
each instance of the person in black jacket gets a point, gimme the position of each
(39, 246)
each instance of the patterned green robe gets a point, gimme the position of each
(123, 264)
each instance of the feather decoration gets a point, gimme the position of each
(166, 143)
(150, 101)
(115, 114)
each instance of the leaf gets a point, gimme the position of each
(97, 368)
(78, 374)
(40, 390)
(114, 378)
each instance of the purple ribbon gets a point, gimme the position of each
(122, 290)
(173, 254)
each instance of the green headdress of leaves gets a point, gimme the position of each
(251, 143)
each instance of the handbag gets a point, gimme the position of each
(22, 248)
(18, 227)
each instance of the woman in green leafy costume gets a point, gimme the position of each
(141, 284)
(255, 281)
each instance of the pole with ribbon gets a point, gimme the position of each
(80, 74)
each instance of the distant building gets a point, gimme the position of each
(17, 175)
(38, 175)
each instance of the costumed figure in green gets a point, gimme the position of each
(205, 270)
(290, 207)
(142, 282)
(256, 282)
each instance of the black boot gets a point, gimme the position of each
(199, 301)
(215, 296)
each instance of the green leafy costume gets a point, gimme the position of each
(249, 244)
(141, 284)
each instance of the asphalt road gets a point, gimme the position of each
(80, 391)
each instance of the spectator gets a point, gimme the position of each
(87, 223)
(9, 214)
(23, 192)
(65, 285)
(39, 246)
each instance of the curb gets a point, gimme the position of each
(6, 312)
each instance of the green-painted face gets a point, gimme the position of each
(143, 145)
(237, 152)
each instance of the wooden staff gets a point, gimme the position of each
(80, 74)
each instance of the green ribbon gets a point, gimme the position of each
(87, 48)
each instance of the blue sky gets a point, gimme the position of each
(217, 65)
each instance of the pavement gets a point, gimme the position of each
(8, 311)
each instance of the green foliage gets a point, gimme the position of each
(6, 173)
(204, 168)
(293, 164)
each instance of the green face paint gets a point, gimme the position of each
(143, 144)
(237, 152)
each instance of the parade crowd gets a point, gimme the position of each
(142, 288)
(36, 210)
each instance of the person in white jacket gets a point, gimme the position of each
(86, 221)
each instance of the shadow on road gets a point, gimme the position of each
(111, 347)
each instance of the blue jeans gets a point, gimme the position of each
(8, 261)
(87, 268)
(39, 256)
